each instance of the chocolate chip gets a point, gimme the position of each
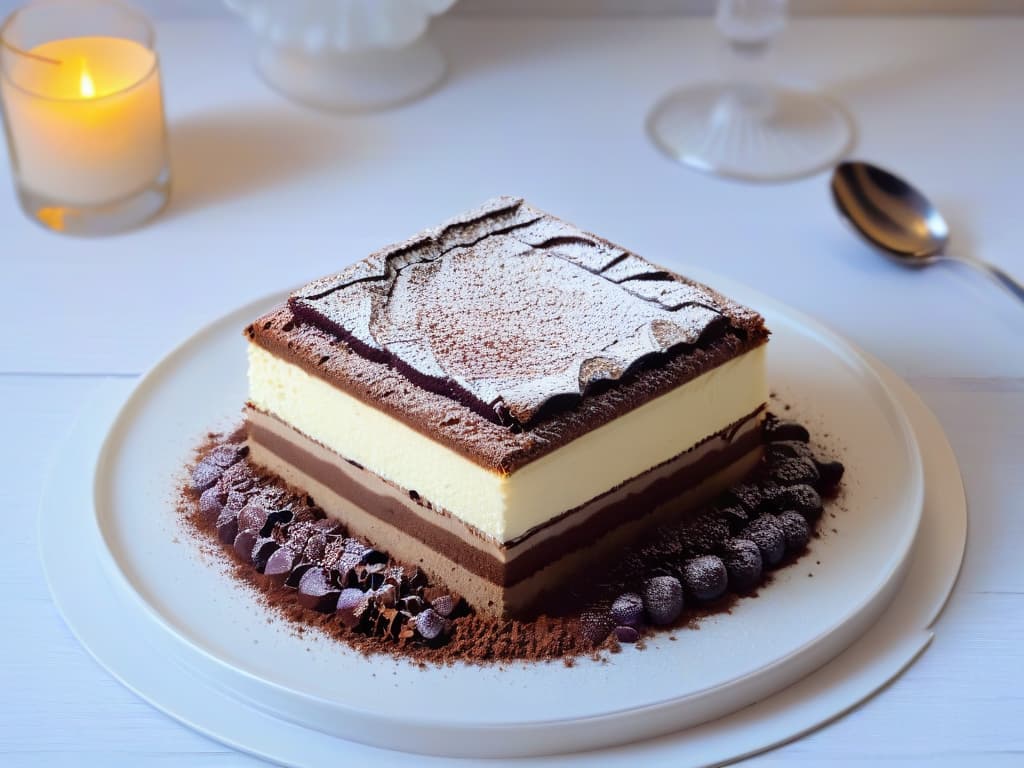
(770, 491)
(794, 472)
(767, 535)
(280, 534)
(333, 553)
(747, 495)
(663, 599)
(316, 590)
(735, 516)
(796, 531)
(274, 497)
(279, 517)
(261, 552)
(373, 557)
(775, 431)
(743, 564)
(302, 513)
(704, 536)
(298, 534)
(831, 473)
(204, 474)
(355, 548)
(412, 604)
(227, 526)
(238, 477)
(595, 625)
(211, 504)
(444, 605)
(316, 546)
(386, 596)
(236, 500)
(788, 449)
(364, 578)
(353, 605)
(244, 543)
(431, 593)
(298, 571)
(345, 570)
(280, 563)
(628, 609)
(430, 624)
(416, 580)
(625, 634)
(394, 574)
(252, 517)
(800, 498)
(224, 455)
(705, 577)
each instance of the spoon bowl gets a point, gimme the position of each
(888, 213)
(898, 221)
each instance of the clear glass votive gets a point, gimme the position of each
(83, 115)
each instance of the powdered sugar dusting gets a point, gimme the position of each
(506, 308)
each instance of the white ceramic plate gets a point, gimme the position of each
(797, 625)
(114, 626)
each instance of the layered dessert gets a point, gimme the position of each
(506, 401)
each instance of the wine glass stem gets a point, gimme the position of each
(750, 88)
(750, 27)
(755, 97)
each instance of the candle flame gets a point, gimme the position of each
(85, 84)
(52, 218)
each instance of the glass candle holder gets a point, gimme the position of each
(83, 115)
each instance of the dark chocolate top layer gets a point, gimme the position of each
(505, 333)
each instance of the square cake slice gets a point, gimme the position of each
(507, 400)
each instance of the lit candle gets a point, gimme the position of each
(85, 126)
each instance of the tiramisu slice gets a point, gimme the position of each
(506, 399)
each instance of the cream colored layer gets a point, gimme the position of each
(454, 526)
(505, 506)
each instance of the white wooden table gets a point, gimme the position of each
(268, 195)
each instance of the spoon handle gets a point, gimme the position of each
(1009, 283)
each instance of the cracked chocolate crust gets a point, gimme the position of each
(507, 333)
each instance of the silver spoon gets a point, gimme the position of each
(900, 222)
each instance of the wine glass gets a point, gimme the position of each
(748, 128)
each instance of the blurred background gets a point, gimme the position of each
(191, 8)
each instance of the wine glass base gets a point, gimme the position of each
(98, 219)
(730, 130)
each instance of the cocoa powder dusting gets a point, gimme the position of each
(306, 569)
